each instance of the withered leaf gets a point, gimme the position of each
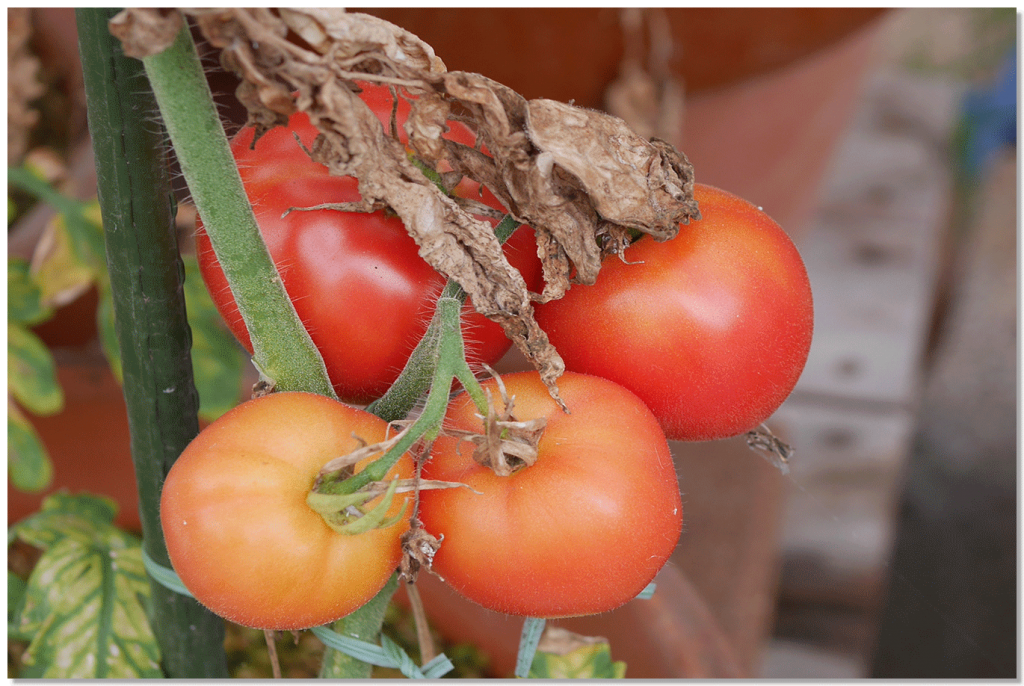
(146, 31)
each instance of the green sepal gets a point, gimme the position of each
(332, 506)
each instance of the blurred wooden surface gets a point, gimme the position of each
(733, 503)
(873, 256)
(952, 599)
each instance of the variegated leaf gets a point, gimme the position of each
(84, 602)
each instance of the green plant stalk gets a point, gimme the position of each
(282, 348)
(146, 276)
(448, 361)
(364, 624)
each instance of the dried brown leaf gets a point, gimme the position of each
(146, 31)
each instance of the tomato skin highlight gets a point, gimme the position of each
(711, 328)
(581, 531)
(356, 280)
(239, 532)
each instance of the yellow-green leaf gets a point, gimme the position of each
(28, 463)
(24, 299)
(59, 268)
(31, 372)
(84, 601)
(562, 654)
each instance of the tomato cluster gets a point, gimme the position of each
(696, 338)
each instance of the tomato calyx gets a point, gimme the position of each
(506, 444)
(418, 549)
(342, 499)
(346, 514)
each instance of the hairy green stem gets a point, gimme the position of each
(282, 348)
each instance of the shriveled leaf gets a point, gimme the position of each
(146, 32)
(352, 35)
(217, 360)
(31, 372)
(24, 297)
(84, 602)
(28, 463)
(562, 654)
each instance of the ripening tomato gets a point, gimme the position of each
(239, 532)
(711, 329)
(356, 279)
(581, 531)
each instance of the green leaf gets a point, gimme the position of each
(31, 372)
(28, 463)
(84, 604)
(565, 655)
(24, 298)
(218, 361)
(16, 589)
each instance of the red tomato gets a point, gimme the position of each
(711, 329)
(581, 531)
(238, 529)
(356, 280)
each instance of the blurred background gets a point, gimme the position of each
(884, 142)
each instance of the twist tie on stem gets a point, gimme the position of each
(533, 627)
(389, 654)
(648, 592)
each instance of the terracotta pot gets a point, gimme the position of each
(670, 635)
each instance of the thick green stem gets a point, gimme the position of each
(364, 624)
(282, 348)
(146, 277)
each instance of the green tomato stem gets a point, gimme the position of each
(282, 348)
(443, 345)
